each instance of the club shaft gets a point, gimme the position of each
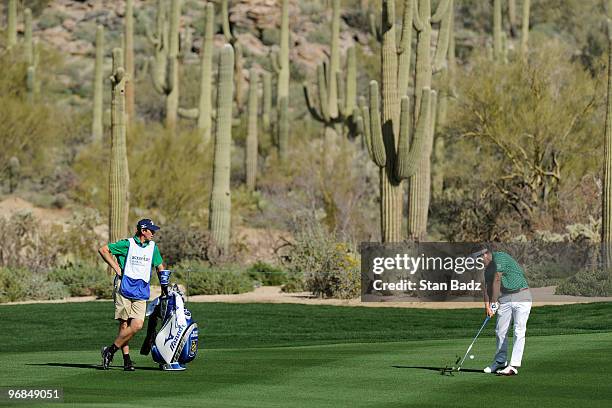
(474, 341)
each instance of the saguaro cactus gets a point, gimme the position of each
(280, 63)
(129, 57)
(220, 200)
(97, 127)
(337, 107)
(267, 100)
(420, 183)
(238, 60)
(169, 84)
(606, 196)
(251, 140)
(14, 172)
(497, 30)
(525, 28)
(11, 30)
(203, 112)
(388, 139)
(28, 44)
(31, 56)
(159, 41)
(119, 176)
(337, 98)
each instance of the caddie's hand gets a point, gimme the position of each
(489, 311)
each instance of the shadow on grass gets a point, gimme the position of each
(440, 369)
(89, 366)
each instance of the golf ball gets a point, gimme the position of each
(471, 356)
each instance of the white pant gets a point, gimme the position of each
(515, 307)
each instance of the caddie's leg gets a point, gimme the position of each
(504, 315)
(123, 325)
(520, 312)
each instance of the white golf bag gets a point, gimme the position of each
(176, 343)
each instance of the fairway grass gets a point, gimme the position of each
(392, 369)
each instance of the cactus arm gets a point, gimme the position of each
(267, 99)
(417, 22)
(227, 32)
(443, 39)
(351, 81)
(323, 95)
(153, 40)
(411, 154)
(378, 145)
(443, 7)
(389, 14)
(405, 48)
(341, 92)
(274, 57)
(310, 105)
(193, 113)
(374, 27)
(158, 86)
(365, 119)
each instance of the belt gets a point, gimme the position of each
(510, 292)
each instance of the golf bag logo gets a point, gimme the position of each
(170, 335)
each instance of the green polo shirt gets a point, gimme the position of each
(121, 247)
(513, 277)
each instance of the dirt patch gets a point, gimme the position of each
(12, 205)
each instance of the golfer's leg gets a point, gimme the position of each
(504, 314)
(521, 312)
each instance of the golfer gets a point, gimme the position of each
(505, 283)
(132, 262)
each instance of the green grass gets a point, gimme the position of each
(314, 356)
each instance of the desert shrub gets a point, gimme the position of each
(25, 243)
(80, 242)
(338, 185)
(266, 274)
(38, 287)
(500, 110)
(20, 284)
(548, 273)
(82, 279)
(179, 242)
(587, 283)
(202, 279)
(168, 171)
(329, 268)
(50, 18)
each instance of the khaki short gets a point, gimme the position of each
(125, 308)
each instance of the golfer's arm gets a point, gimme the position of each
(485, 294)
(496, 287)
(109, 259)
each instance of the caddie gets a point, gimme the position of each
(505, 283)
(132, 260)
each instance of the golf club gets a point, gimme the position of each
(486, 320)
